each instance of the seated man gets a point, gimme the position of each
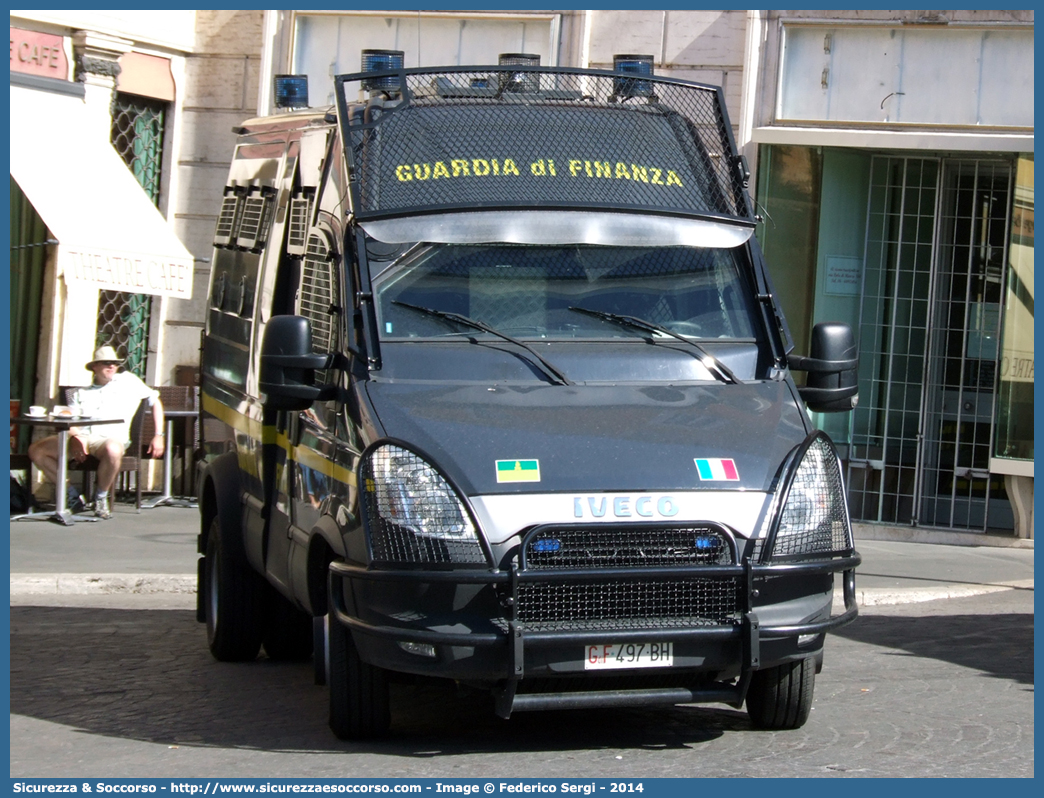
(113, 395)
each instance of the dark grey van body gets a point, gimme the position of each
(495, 388)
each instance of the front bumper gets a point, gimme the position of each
(469, 625)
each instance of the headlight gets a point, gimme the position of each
(413, 514)
(814, 519)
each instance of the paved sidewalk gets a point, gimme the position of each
(154, 552)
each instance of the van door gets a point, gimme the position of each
(321, 301)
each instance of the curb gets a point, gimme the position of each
(884, 596)
(944, 537)
(100, 584)
(146, 584)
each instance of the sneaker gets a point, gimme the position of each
(74, 502)
(101, 507)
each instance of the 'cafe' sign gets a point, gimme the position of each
(39, 54)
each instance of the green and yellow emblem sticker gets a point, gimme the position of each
(518, 470)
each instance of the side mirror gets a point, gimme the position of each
(832, 384)
(288, 364)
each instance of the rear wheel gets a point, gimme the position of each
(781, 697)
(232, 601)
(359, 700)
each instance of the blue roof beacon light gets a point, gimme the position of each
(519, 82)
(624, 88)
(382, 61)
(291, 91)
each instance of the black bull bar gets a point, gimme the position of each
(517, 638)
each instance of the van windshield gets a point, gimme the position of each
(533, 292)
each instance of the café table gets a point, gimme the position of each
(167, 497)
(61, 425)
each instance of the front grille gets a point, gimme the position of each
(613, 603)
(626, 547)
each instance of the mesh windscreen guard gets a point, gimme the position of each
(571, 144)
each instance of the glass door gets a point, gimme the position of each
(957, 488)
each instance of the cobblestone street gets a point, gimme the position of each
(938, 688)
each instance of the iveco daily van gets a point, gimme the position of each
(496, 389)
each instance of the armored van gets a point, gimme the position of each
(496, 389)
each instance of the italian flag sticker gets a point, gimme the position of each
(518, 470)
(716, 470)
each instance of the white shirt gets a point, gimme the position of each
(118, 398)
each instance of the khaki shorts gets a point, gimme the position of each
(94, 443)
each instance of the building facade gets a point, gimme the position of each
(895, 170)
(95, 104)
(892, 154)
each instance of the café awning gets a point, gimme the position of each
(110, 235)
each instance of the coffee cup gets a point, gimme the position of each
(37, 411)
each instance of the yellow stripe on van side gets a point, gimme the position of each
(268, 434)
(310, 458)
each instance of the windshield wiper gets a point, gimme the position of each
(717, 369)
(549, 371)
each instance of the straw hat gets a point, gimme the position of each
(105, 354)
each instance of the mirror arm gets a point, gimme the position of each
(813, 364)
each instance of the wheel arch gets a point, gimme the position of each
(324, 546)
(221, 495)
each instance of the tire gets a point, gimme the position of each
(781, 697)
(320, 649)
(287, 635)
(233, 601)
(359, 700)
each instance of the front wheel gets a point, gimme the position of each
(359, 700)
(232, 601)
(781, 697)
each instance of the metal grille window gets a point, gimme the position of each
(138, 126)
(319, 299)
(137, 133)
(228, 220)
(299, 220)
(253, 225)
(123, 323)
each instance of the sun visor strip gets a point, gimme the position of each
(558, 227)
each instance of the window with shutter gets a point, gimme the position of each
(319, 299)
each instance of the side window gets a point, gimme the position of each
(319, 299)
(300, 219)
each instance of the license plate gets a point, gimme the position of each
(629, 655)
